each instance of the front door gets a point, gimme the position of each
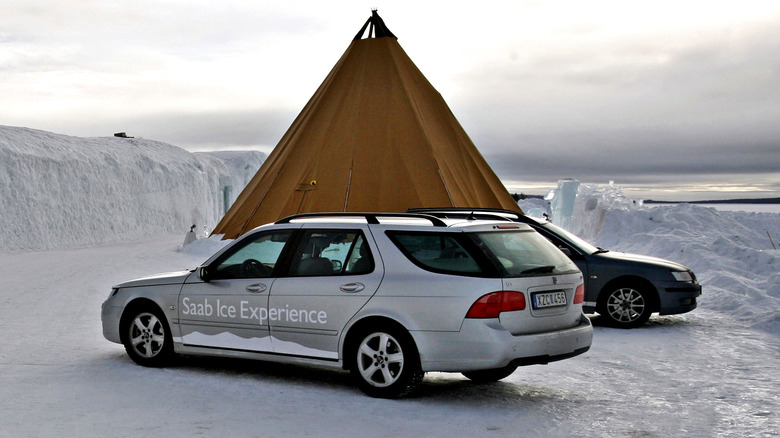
(230, 310)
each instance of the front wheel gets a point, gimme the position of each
(147, 338)
(626, 307)
(488, 376)
(387, 364)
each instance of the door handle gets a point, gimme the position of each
(352, 287)
(256, 288)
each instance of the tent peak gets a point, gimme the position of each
(377, 29)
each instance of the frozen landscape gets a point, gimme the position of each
(80, 215)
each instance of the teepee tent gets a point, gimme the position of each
(376, 136)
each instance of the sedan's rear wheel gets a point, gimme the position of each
(387, 364)
(626, 307)
(147, 338)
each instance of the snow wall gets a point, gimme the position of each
(59, 191)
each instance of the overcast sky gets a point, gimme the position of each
(673, 100)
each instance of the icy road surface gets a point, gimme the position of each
(694, 375)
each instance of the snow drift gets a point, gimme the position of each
(59, 191)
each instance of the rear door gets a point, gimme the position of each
(332, 274)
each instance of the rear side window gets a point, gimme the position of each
(332, 252)
(439, 252)
(517, 253)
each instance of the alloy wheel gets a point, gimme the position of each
(626, 305)
(147, 335)
(380, 359)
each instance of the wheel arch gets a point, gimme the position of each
(137, 304)
(632, 280)
(352, 338)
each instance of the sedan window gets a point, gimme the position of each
(570, 239)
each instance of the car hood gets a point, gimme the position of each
(177, 277)
(639, 258)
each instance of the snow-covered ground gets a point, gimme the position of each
(712, 372)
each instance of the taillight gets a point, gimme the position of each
(579, 294)
(490, 305)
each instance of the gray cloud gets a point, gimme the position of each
(546, 90)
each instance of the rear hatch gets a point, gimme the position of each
(530, 264)
(550, 304)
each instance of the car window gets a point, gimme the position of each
(522, 253)
(573, 240)
(440, 252)
(254, 257)
(332, 252)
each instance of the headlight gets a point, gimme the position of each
(113, 292)
(682, 276)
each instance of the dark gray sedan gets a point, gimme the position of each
(624, 288)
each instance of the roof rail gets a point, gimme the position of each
(469, 213)
(371, 218)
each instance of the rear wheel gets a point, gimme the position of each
(627, 306)
(147, 338)
(488, 376)
(387, 364)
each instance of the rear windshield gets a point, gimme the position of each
(484, 254)
(521, 253)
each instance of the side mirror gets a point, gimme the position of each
(566, 251)
(204, 274)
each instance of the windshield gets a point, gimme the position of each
(573, 240)
(522, 253)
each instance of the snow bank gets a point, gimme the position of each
(58, 191)
(730, 251)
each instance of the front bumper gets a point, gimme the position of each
(110, 317)
(484, 344)
(678, 298)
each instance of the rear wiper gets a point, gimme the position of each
(540, 270)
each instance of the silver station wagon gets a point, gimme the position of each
(387, 296)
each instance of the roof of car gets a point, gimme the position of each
(478, 213)
(485, 223)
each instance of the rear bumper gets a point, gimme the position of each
(485, 344)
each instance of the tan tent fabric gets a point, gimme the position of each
(376, 136)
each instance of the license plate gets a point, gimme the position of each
(542, 300)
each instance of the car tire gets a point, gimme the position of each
(625, 306)
(489, 376)
(147, 337)
(387, 364)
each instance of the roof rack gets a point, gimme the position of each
(469, 213)
(371, 218)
